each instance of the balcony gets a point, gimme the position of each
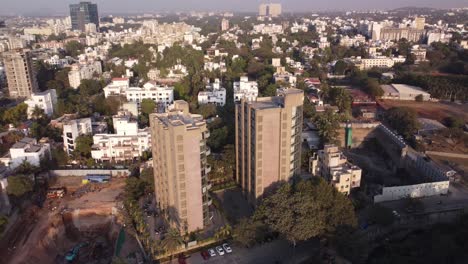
(206, 134)
(207, 169)
(207, 151)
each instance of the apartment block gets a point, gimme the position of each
(44, 100)
(127, 144)
(268, 141)
(214, 94)
(20, 74)
(245, 89)
(331, 164)
(160, 94)
(29, 150)
(73, 129)
(180, 167)
(270, 10)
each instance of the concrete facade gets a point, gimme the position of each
(268, 141)
(20, 73)
(331, 164)
(44, 100)
(180, 167)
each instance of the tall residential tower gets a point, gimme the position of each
(82, 14)
(268, 141)
(180, 167)
(20, 73)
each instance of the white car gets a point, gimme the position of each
(212, 252)
(227, 248)
(220, 250)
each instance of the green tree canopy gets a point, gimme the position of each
(83, 146)
(403, 120)
(147, 106)
(327, 124)
(19, 185)
(305, 210)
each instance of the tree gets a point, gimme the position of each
(37, 112)
(454, 122)
(403, 120)
(327, 124)
(3, 222)
(83, 146)
(341, 98)
(73, 48)
(172, 240)
(305, 209)
(340, 67)
(147, 106)
(19, 185)
(248, 232)
(419, 98)
(16, 115)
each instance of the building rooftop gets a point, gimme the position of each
(408, 89)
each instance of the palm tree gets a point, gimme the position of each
(172, 241)
(37, 112)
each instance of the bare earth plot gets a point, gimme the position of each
(432, 110)
(85, 215)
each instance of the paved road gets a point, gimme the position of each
(278, 251)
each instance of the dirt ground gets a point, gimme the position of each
(458, 164)
(45, 235)
(432, 110)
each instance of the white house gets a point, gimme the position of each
(74, 128)
(153, 91)
(128, 142)
(44, 100)
(82, 72)
(118, 86)
(27, 149)
(214, 94)
(245, 89)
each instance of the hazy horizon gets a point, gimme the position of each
(60, 7)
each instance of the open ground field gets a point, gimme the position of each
(87, 214)
(432, 110)
(460, 165)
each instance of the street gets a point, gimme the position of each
(278, 251)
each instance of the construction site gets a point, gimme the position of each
(81, 225)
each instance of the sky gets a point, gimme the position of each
(60, 7)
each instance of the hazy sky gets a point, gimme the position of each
(9, 7)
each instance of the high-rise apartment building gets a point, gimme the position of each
(268, 141)
(82, 14)
(269, 10)
(419, 23)
(180, 167)
(224, 24)
(20, 74)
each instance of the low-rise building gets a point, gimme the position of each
(331, 164)
(82, 72)
(245, 89)
(26, 150)
(74, 128)
(44, 100)
(160, 94)
(127, 144)
(214, 94)
(404, 92)
(117, 87)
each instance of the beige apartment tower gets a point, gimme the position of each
(180, 167)
(268, 141)
(20, 73)
(269, 10)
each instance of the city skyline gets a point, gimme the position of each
(55, 7)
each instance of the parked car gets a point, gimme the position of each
(205, 255)
(220, 250)
(227, 248)
(212, 252)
